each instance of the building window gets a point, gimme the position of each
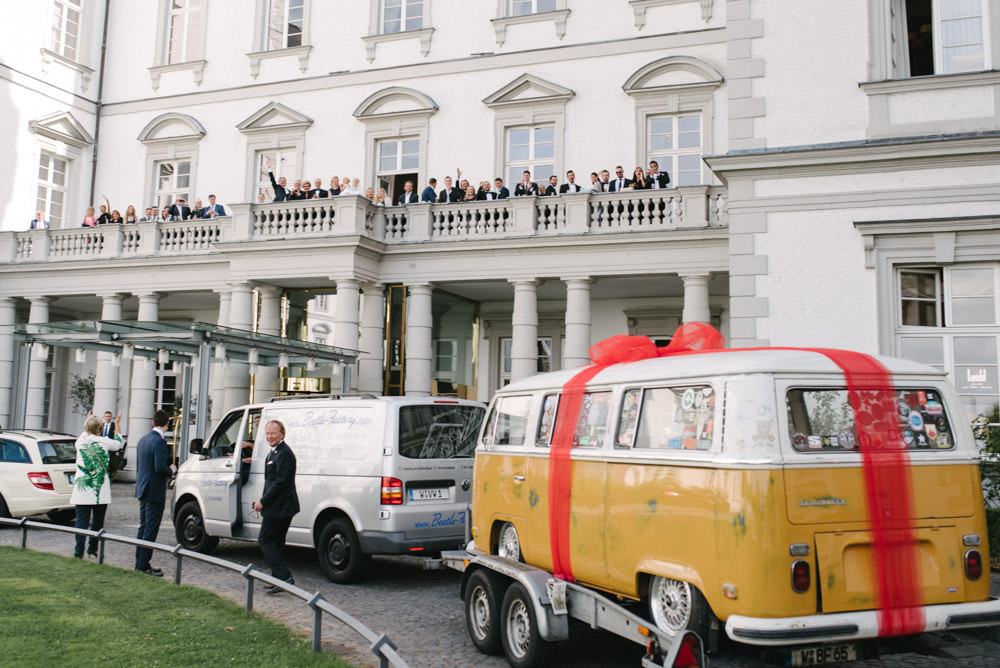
(506, 357)
(166, 387)
(948, 320)
(283, 163)
(173, 180)
(285, 20)
(445, 359)
(66, 28)
(525, 7)
(943, 36)
(51, 196)
(402, 15)
(532, 149)
(398, 162)
(675, 144)
(185, 32)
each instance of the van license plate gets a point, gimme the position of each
(820, 654)
(429, 494)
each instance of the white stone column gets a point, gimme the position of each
(345, 323)
(577, 322)
(524, 328)
(218, 379)
(142, 394)
(371, 360)
(419, 352)
(238, 373)
(8, 316)
(696, 298)
(35, 415)
(106, 376)
(265, 381)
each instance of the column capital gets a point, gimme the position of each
(577, 280)
(148, 296)
(419, 288)
(241, 286)
(39, 299)
(113, 296)
(347, 281)
(691, 275)
(268, 289)
(373, 288)
(523, 281)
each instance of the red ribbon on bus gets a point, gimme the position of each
(885, 461)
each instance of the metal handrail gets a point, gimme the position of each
(381, 645)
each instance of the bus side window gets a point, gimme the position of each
(592, 424)
(629, 419)
(680, 418)
(547, 420)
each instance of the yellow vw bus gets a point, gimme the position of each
(728, 489)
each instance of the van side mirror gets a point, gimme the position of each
(196, 446)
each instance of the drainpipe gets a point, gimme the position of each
(100, 102)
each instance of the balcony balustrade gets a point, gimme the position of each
(582, 213)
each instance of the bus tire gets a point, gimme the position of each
(483, 595)
(190, 529)
(339, 552)
(677, 606)
(522, 644)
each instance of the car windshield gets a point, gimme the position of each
(57, 452)
(439, 431)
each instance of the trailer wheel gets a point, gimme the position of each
(676, 606)
(522, 644)
(190, 529)
(483, 594)
(340, 553)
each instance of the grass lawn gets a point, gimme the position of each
(59, 611)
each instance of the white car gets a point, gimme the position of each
(36, 474)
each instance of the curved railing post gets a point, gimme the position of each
(24, 532)
(247, 573)
(317, 620)
(383, 641)
(177, 569)
(100, 546)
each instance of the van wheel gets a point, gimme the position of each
(508, 543)
(190, 529)
(676, 607)
(4, 511)
(482, 610)
(522, 644)
(340, 554)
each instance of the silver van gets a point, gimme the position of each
(375, 475)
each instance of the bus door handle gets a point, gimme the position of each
(519, 478)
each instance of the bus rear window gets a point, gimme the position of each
(822, 420)
(439, 431)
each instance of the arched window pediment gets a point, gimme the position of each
(172, 126)
(672, 73)
(395, 101)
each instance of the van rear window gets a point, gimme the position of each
(439, 431)
(822, 420)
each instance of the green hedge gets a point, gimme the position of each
(993, 528)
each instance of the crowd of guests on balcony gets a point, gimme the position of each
(454, 190)
(461, 190)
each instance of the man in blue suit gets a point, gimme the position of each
(153, 469)
(213, 210)
(430, 192)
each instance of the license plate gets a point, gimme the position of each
(429, 494)
(820, 654)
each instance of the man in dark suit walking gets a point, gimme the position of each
(108, 428)
(153, 469)
(278, 503)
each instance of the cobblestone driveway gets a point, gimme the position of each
(421, 612)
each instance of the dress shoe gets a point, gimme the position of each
(271, 590)
(155, 572)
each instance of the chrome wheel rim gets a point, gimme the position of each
(510, 544)
(670, 604)
(518, 629)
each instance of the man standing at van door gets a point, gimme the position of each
(152, 472)
(278, 503)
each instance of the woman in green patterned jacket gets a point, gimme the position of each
(92, 484)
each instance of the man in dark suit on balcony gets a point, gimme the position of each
(180, 210)
(429, 193)
(570, 186)
(213, 210)
(408, 196)
(620, 182)
(450, 193)
(526, 186)
(655, 178)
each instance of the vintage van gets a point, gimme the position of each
(374, 475)
(728, 490)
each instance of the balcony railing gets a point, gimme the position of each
(572, 214)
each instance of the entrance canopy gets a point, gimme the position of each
(187, 342)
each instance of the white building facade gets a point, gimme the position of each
(835, 177)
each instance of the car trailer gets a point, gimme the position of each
(521, 610)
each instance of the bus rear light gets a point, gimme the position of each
(973, 565)
(800, 576)
(416, 549)
(41, 481)
(392, 491)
